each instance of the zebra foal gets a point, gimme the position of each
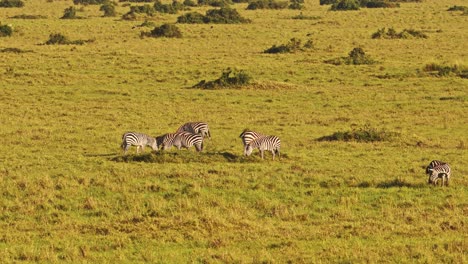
(180, 140)
(139, 140)
(270, 143)
(199, 128)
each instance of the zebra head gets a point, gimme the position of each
(248, 150)
(153, 143)
(159, 142)
(434, 175)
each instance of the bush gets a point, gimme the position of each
(267, 4)
(89, 2)
(236, 80)
(144, 9)
(343, 5)
(168, 8)
(11, 3)
(328, 2)
(392, 34)
(224, 16)
(69, 13)
(215, 3)
(446, 70)
(6, 30)
(458, 8)
(29, 17)
(59, 39)
(378, 4)
(164, 31)
(365, 134)
(108, 9)
(296, 4)
(190, 3)
(293, 45)
(191, 18)
(356, 57)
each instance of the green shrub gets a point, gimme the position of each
(6, 30)
(392, 34)
(441, 70)
(172, 8)
(164, 31)
(328, 2)
(11, 3)
(224, 15)
(190, 3)
(69, 13)
(59, 39)
(458, 8)
(144, 9)
(236, 80)
(296, 4)
(215, 3)
(356, 57)
(89, 2)
(293, 45)
(191, 18)
(378, 4)
(365, 134)
(108, 9)
(29, 17)
(344, 5)
(267, 4)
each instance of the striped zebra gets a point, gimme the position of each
(432, 165)
(440, 171)
(199, 128)
(139, 140)
(247, 136)
(180, 140)
(270, 143)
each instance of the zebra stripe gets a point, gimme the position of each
(199, 128)
(247, 136)
(139, 140)
(179, 140)
(440, 171)
(270, 143)
(432, 165)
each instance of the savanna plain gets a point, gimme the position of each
(67, 192)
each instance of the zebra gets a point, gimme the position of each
(432, 165)
(270, 143)
(139, 140)
(440, 171)
(199, 128)
(247, 136)
(179, 140)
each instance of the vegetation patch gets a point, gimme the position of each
(89, 2)
(146, 10)
(171, 8)
(70, 13)
(229, 79)
(441, 70)
(392, 34)
(6, 30)
(356, 57)
(187, 156)
(301, 16)
(214, 16)
(343, 5)
(29, 17)
(11, 3)
(108, 9)
(164, 31)
(59, 39)
(14, 50)
(292, 46)
(214, 3)
(458, 8)
(364, 134)
(267, 4)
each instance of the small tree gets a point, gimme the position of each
(108, 9)
(69, 13)
(6, 30)
(165, 31)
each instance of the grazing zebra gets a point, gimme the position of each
(199, 128)
(139, 140)
(432, 165)
(440, 171)
(179, 140)
(247, 136)
(270, 143)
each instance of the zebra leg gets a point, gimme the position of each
(261, 153)
(273, 154)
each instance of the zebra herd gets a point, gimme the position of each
(193, 133)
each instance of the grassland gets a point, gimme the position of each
(68, 194)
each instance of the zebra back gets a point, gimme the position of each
(247, 136)
(137, 139)
(433, 164)
(188, 140)
(270, 143)
(199, 128)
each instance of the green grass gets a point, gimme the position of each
(69, 195)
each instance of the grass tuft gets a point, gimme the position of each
(230, 78)
(365, 134)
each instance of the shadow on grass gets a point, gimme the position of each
(188, 156)
(390, 184)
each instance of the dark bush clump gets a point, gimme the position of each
(69, 13)
(343, 5)
(378, 4)
(365, 134)
(191, 18)
(11, 3)
(164, 31)
(215, 16)
(215, 3)
(356, 57)
(327, 2)
(236, 80)
(392, 34)
(293, 45)
(108, 9)
(89, 2)
(267, 4)
(13, 50)
(59, 39)
(296, 4)
(172, 8)
(29, 17)
(190, 3)
(458, 8)
(446, 70)
(6, 30)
